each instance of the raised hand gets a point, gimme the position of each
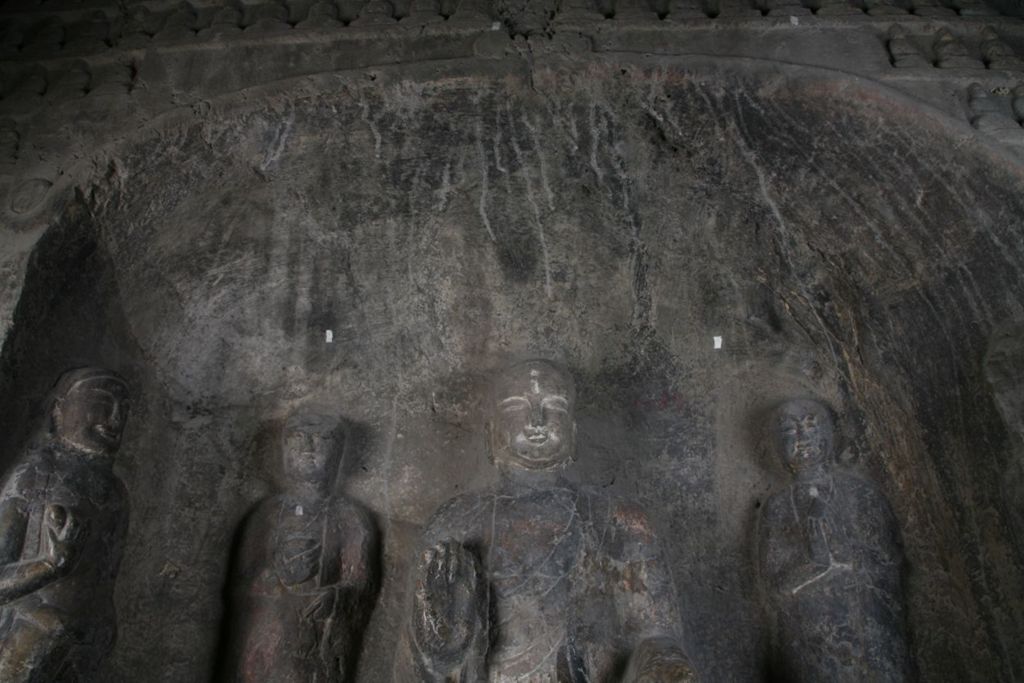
(817, 539)
(61, 531)
(298, 560)
(450, 605)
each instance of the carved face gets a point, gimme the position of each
(803, 434)
(311, 447)
(533, 425)
(91, 415)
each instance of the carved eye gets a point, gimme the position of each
(556, 403)
(514, 403)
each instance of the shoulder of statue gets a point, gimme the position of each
(37, 462)
(348, 512)
(630, 516)
(252, 539)
(871, 500)
(864, 489)
(120, 489)
(263, 513)
(457, 514)
(631, 535)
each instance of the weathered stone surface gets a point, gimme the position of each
(614, 201)
(1004, 362)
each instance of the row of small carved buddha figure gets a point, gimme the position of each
(138, 26)
(534, 579)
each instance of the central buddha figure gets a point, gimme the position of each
(536, 579)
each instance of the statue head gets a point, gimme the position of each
(802, 432)
(311, 447)
(532, 426)
(1004, 364)
(90, 409)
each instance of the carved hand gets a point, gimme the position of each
(298, 560)
(817, 538)
(449, 605)
(61, 531)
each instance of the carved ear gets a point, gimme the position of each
(575, 451)
(56, 416)
(489, 435)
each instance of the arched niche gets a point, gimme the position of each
(618, 213)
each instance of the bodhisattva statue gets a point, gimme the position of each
(63, 519)
(305, 573)
(538, 580)
(830, 562)
(1004, 368)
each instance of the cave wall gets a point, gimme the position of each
(614, 212)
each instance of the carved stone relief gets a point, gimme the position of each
(63, 519)
(538, 579)
(305, 572)
(830, 560)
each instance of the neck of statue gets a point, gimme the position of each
(75, 452)
(304, 490)
(812, 474)
(531, 478)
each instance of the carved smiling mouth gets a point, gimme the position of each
(537, 439)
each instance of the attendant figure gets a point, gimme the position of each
(305, 574)
(830, 562)
(63, 520)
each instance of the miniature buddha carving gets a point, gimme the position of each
(830, 560)
(992, 113)
(305, 572)
(537, 579)
(996, 53)
(951, 53)
(63, 519)
(904, 53)
(836, 8)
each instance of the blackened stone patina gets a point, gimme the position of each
(63, 518)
